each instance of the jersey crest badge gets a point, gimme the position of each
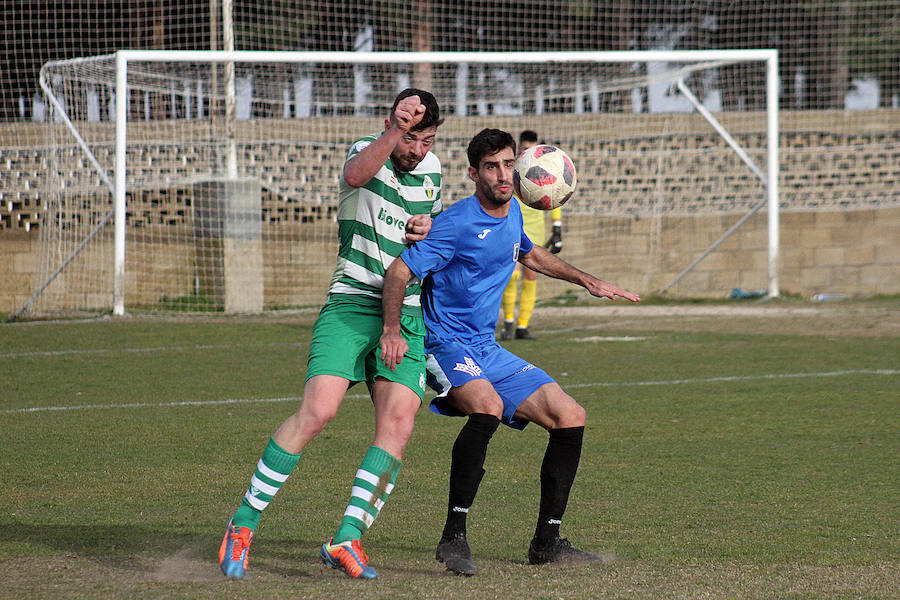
(429, 187)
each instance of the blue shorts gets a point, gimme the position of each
(454, 364)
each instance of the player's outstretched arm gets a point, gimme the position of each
(542, 261)
(362, 167)
(393, 346)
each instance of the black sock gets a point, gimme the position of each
(557, 475)
(467, 469)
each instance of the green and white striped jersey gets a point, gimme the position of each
(372, 223)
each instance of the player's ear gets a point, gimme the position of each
(387, 124)
(473, 174)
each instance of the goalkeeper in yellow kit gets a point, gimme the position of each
(535, 230)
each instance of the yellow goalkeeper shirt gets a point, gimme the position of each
(533, 220)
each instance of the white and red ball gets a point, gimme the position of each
(544, 177)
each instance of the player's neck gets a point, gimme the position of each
(492, 207)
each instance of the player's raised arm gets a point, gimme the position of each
(542, 261)
(393, 346)
(362, 167)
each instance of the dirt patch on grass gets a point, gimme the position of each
(186, 565)
(77, 577)
(865, 318)
(875, 319)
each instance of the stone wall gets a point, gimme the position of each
(828, 160)
(852, 252)
(632, 222)
(18, 263)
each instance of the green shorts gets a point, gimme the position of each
(346, 342)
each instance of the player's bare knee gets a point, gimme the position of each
(313, 417)
(486, 404)
(473, 399)
(398, 422)
(576, 416)
(484, 409)
(566, 413)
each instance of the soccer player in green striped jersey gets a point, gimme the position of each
(390, 190)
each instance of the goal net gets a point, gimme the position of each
(208, 180)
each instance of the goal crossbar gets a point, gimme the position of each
(624, 56)
(770, 56)
(123, 58)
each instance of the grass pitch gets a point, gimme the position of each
(740, 451)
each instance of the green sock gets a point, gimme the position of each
(371, 487)
(272, 471)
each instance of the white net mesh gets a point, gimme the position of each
(657, 185)
(825, 46)
(647, 167)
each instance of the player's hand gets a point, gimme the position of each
(554, 244)
(408, 113)
(417, 227)
(602, 289)
(393, 347)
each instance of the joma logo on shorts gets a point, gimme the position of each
(388, 219)
(469, 367)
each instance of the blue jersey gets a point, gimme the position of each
(465, 263)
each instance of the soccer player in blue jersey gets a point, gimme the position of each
(464, 264)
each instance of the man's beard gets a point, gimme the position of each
(407, 162)
(496, 199)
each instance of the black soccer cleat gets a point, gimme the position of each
(507, 332)
(559, 550)
(522, 333)
(455, 554)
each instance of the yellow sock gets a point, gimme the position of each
(526, 304)
(509, 296)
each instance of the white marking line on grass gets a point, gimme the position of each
(140, 350)
(588, 327)
(609, 338)
(736, 378)
(357, 395)
(151, 404)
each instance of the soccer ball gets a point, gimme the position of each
(544, 177)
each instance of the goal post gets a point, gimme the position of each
(641, 127)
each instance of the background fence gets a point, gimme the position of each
(834, 55)
(840, 93)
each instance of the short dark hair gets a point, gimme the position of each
(432, 116)
(528, 136)
(486, 142)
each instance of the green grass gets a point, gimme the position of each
(716, 462)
